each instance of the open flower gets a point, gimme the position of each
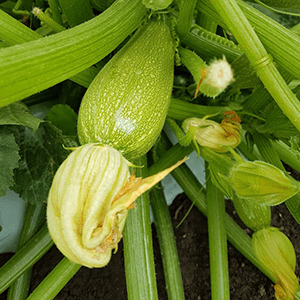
(88, 202)
(275, 251)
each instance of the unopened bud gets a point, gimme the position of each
(262, 182)
(275, 251)
(214, 135)
(88, 202)
(218, 76)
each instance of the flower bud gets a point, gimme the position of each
(214, 135)
(88, 202)
(255, 216)
(218, 76)
(262, 182)
(275, 251)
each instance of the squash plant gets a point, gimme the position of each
(229, 60)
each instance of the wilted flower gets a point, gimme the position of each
(88, 202)
(275, 251)
(214, 135)
(262, 182)
(217, 77)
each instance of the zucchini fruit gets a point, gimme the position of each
(126, 104)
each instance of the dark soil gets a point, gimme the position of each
(246, 282)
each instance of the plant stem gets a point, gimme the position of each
(209, 45)
(240, 27)
(167, 244)
(65, 54)
(186, 16)
(219, 277)
(206, 22)
(287, 155)
(268, 154)
(55, 281)
(25, 258)
(195, 192)
(34, 219)
(281, 43)
(138, 250)
(181, 110)
(50, 22)
(54, 7)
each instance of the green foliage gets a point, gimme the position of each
(9, 156)
(41, 154)
(63, 117)
(18, 114)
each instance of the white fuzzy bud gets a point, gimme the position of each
(218, 76)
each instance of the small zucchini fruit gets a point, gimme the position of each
(126, 104)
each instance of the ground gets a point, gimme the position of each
(246, 282)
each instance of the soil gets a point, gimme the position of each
(246, 282)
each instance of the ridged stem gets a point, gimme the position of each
(210, 45)
(269, 154)
(181, 110)
(25, 258)
(219, 277)
(185, 18)
(281, 43)
(56, 14)
(35, 216)
(60, 56)
(244, 33)
(138, 249)
(46, 19)
(55, 281)
(167, 244)
(195, 192)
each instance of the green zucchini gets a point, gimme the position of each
(126, 104)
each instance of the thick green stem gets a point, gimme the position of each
(210, 45)
(25, 258)
(167, 244)
(206, 23)
(56, 14)
(286, 155)
(39, 64)
(219, 276)
(138, 250)
(186, 16)
(281, 43)
(181, 110)
(194, 190)
(46, 19)
(269, 154)
(240, 27)
(34, 219)
(55, 281)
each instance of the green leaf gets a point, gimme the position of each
(18, 114)
(63, 117)
(9, 156)
(41, 155)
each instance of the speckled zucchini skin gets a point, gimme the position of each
(126, 104)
